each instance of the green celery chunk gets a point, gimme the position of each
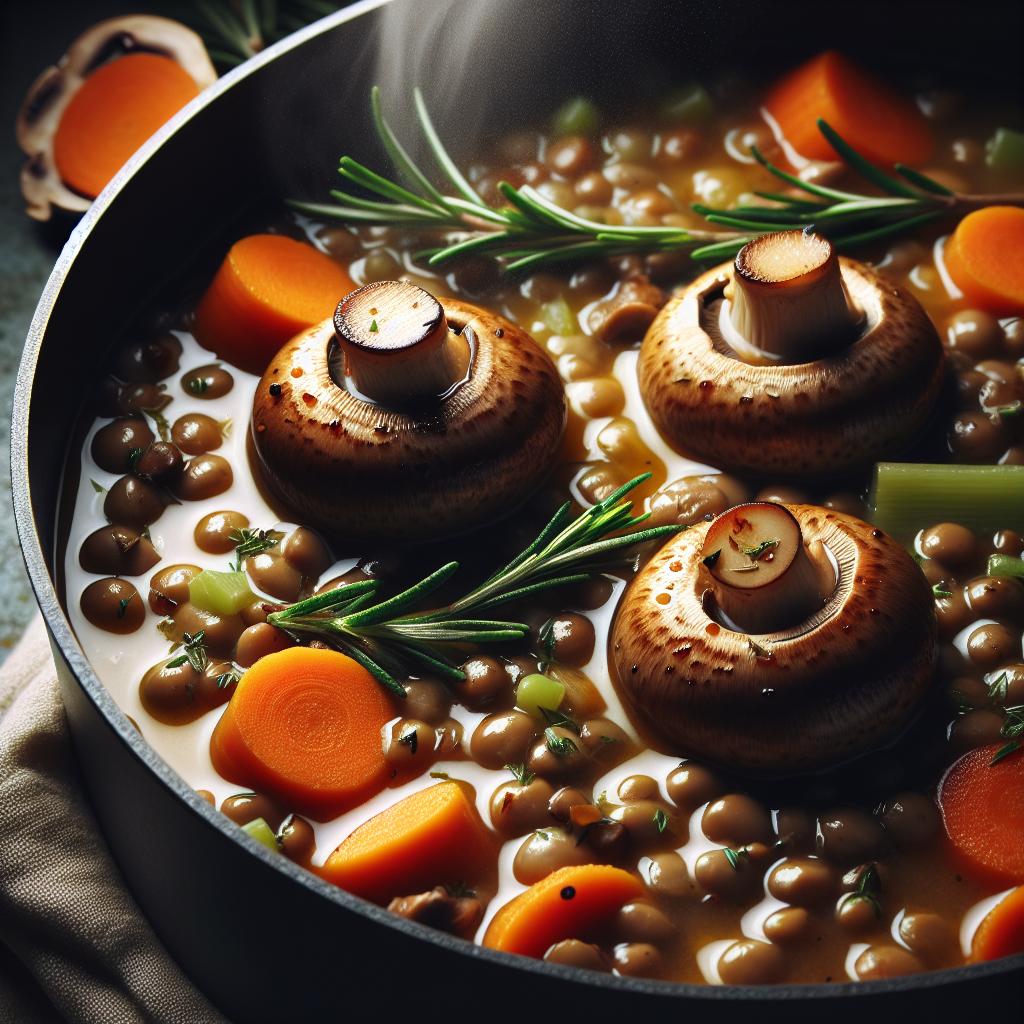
(262, 833)
(221, 593)
(559, 318)
(1006, 565)
(1004, 152)
(578, 116)
(907, 497)
(536, 691)
(688, 105)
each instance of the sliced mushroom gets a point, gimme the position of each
(459, 915)
(52, 91)
(628, 312)
(840, 673)
(418, 428)
(791, 362)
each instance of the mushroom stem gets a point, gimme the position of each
(397, 345)
(789, 303)
(762, 575)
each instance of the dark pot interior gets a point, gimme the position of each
(264, 939)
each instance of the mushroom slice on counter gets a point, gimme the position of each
(791, 362)
(776, 640)
(403, 420)
(52, 92)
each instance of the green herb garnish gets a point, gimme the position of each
(868, 887)
(194, 651)
(999, 687)
(521, 773)
(560, 746)
(758, 551)
(198, 385)
(735, 856)
(939, 591)
(531, 231)
(252, 542)
(98, 488)
(122, 607)
(163, 428)
(388, 637)
(560, 718)
(229, 678)
(1012, 730)
(660, 820)
(373, 327)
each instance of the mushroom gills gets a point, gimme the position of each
(762, 576)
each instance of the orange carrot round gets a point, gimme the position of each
(982, 807)
(304, 726)
(985, 258)
(886, 127)
(268, 288)
(569, 904)
(113, 112)
(431, 838)
(1001, 932)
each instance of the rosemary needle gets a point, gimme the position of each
(388, 638)
(531, 231)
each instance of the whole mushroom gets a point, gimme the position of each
(402, 420)
(48, 98)
(776, 639)
(792, 363)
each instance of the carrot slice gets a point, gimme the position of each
(985, 257)
(569, 904)
(431, 838)
(113, 112)
(304, 725)
(267, 290)
(982, 807)
(1001, 932)
(883, 126)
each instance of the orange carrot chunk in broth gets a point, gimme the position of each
(113, 112)
(569, 904)
(304, 726)
(982, 807)
(985, 259)
(884, 126)
(1001, 932)
(267, 290)
(431, 838)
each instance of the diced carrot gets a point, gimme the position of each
(268, 288)
(433, 837)
(985, 258)
(883, 126)
(1001, 932)
(113, 112)
(982, 807)
(569, 904)
(304, 726)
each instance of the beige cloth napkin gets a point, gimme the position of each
(73, 944)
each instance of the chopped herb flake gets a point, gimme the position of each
(560, 746)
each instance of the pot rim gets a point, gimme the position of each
(63, 638)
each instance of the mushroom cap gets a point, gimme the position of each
(51, 92)
(829, 417)
(843, 682)
(361, 470)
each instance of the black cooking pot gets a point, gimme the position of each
(264, 939)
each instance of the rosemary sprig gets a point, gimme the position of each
(389, 639)
(1013, 732)
(531, 231)
(194, 647)
(250, 542)
(235, 30)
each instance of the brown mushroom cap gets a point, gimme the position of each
(823, 691)
(361, 470)
(52, 91)
(829, 417)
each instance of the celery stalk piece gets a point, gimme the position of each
(221, 593)
(559, 318)
(536, 691)
(1006, 565)
(687, 105)
(1004, 152)
(262, 833)
(907, 497)
(577, 116)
